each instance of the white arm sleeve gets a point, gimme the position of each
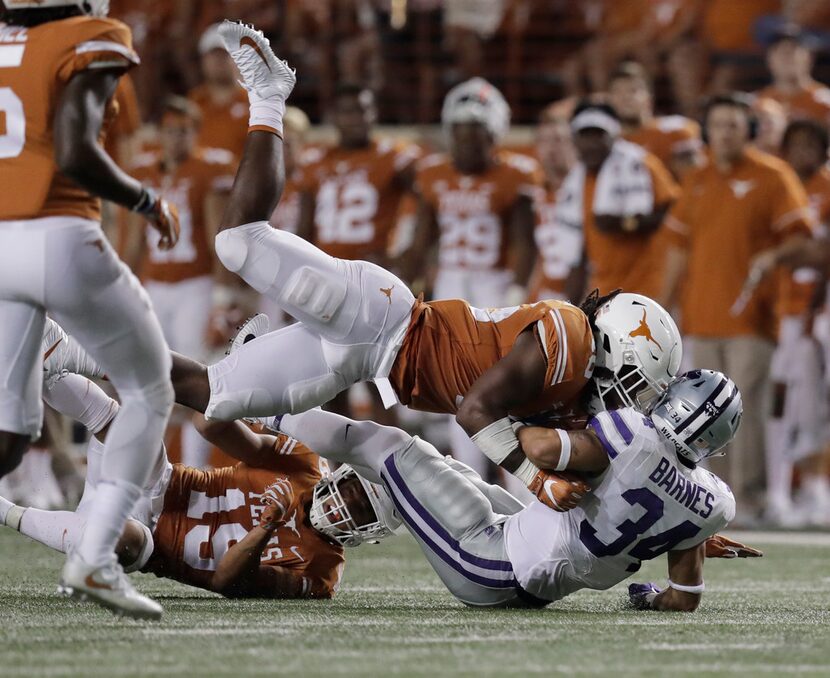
(82, 400)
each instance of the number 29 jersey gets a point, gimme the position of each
(644, 504)
(35, 66)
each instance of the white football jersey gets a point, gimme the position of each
(644, 504)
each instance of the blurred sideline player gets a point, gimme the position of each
(648, 497)
(180, 281)
(220, 98)
(674, 139)
(269, 527)
(795, 430)
(560, 247)
(359, 322)
(475, 211)
(62, 63)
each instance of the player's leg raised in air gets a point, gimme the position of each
(449, 515)
(351, 313)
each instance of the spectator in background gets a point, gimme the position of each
(799, 410)
(560, 247)
(223, 103)
(179, 281)
(772, 121)
(617, 195)
(742, 202)
(790, 62)
(674, 139)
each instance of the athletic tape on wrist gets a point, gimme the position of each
(526, 472)
(565, 451)
(497, 440)
(698, 588)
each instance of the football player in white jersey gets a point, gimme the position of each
(649, 497)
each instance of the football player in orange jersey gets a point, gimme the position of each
(60, 63)
(350, 195)
(358, 322)
(272, 526)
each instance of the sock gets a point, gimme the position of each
(779, 468)
(266, 114)
(6, 507)
(111, 506)
(82, 400)
(58, 530)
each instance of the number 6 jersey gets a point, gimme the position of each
(644, 504)
(35, 66)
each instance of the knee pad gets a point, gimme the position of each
(157, 398)
(241, 253)
(318, 295)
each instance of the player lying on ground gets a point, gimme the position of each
(358, 322)
(62, 60)
(273, 526)
(649, 498)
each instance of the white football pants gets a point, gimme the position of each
(352, 315)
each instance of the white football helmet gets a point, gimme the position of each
(331, 516)
(90, 7)
(638, 352)
(476, 100)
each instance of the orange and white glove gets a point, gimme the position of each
(162, 215)
(718, 546)
(558, 490)
(277, 498)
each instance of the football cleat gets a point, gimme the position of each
(106, 585)
(253, 327)
(62, 355)
(263, 74)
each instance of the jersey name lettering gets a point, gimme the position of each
(682, 489)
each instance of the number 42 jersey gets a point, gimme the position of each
(644, 504)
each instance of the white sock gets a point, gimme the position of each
(82, 400)
(779, 468)
(108, 513)
(59, 530)
(266, 114)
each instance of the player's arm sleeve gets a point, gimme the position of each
(103, 44)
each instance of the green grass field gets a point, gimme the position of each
(393, 617)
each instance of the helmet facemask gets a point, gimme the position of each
(332, 515)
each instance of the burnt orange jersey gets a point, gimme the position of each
(473, 211)
(630, 261)
(722, 220)
(798, 287)
(356, 197)
(206, 512)
(667, 136)
(812, 102)
(450, 344)
(727, 25)
(559, 245)
(35, 66)
(225, 123)
(188, 187)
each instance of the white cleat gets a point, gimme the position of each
(253, 327)
(108, 586)
(263, 74)
(63, 355)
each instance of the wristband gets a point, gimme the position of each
(565, 451)
(147, 202)
(497, 440)
(526, 472)
(697, 588)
